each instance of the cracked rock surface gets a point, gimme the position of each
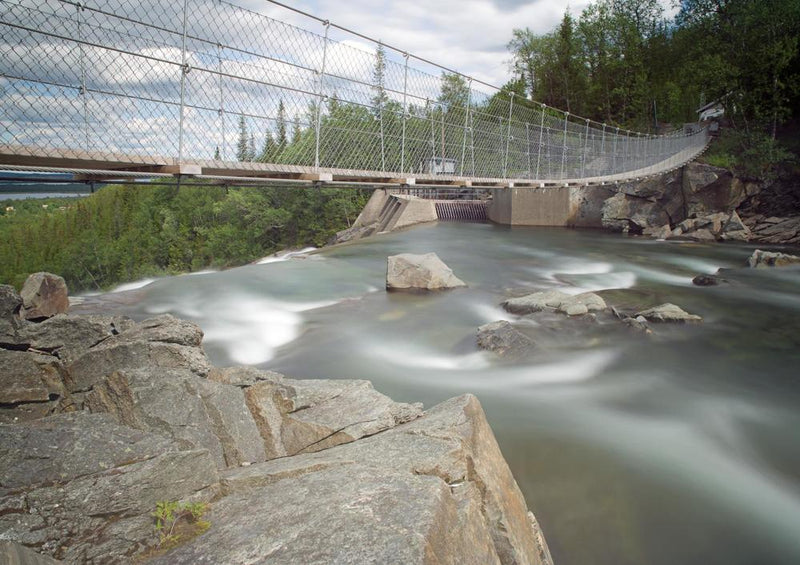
(102, 417)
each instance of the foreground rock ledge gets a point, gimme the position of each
(106, 417)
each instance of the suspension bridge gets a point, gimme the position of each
(219, 90)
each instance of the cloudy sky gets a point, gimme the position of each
(467, 35)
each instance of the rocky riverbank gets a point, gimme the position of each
(698, 202)
(119, 442)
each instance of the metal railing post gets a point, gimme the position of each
(508, 136)
(585, 150)
(320, 96)
(603, 148)
(528, 145)
(564, 148)
(405, 117)
(614, 152)
(541, 136)
(223, 144)
(184, 72)
(466, 125)
(472, 141)
(82, 91)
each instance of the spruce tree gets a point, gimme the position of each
(242, 148)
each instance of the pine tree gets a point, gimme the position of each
(241, 146)
(379, 97)
(282, 138)
(251, 148)
(269, 151)
(296, 129)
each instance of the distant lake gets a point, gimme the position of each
(26, 195)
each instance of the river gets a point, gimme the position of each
(678, 448)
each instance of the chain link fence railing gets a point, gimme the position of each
(217, 83)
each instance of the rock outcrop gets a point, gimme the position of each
(102, 418)
(721, 226)
(44, 295)
(435, 490)
(503, 339)
(697, 202)
(419, 272)
(10, 301)
(571, 305)
(765, 259)
(774, 229)
(80, 487)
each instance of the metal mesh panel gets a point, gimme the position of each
(201, 80)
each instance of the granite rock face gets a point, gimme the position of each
(419, 272)
(102, 418)
(80, 487)
(302, 416)
(44, 295)
(721, 226)
(12, 553)
(194, 412)
(774, 229)
(10, 301)
(165, 342)
(435, 490)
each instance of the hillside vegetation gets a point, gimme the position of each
(124, 233)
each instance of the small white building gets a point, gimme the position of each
(439, 166)
(710, 111)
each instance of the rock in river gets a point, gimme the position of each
(501, 338)
(423, 272)
(668, 313)
(764, 259)
(572, 305)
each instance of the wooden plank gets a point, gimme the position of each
(321, 177)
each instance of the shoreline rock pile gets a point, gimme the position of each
(102, 418)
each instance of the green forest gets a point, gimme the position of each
(127, 232)
(622, 62)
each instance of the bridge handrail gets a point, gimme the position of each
(218, 82)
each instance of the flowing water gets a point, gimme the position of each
(678, 448)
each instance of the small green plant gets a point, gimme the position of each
(178, 521)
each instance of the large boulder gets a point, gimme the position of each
(81, 488)
(503, 339)
(44, 295)
(572, 305)
(436, 490)
(708, 189)
(419, 272)
(765, 259)
(10, 301)
(668, 313)
(644, 204)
